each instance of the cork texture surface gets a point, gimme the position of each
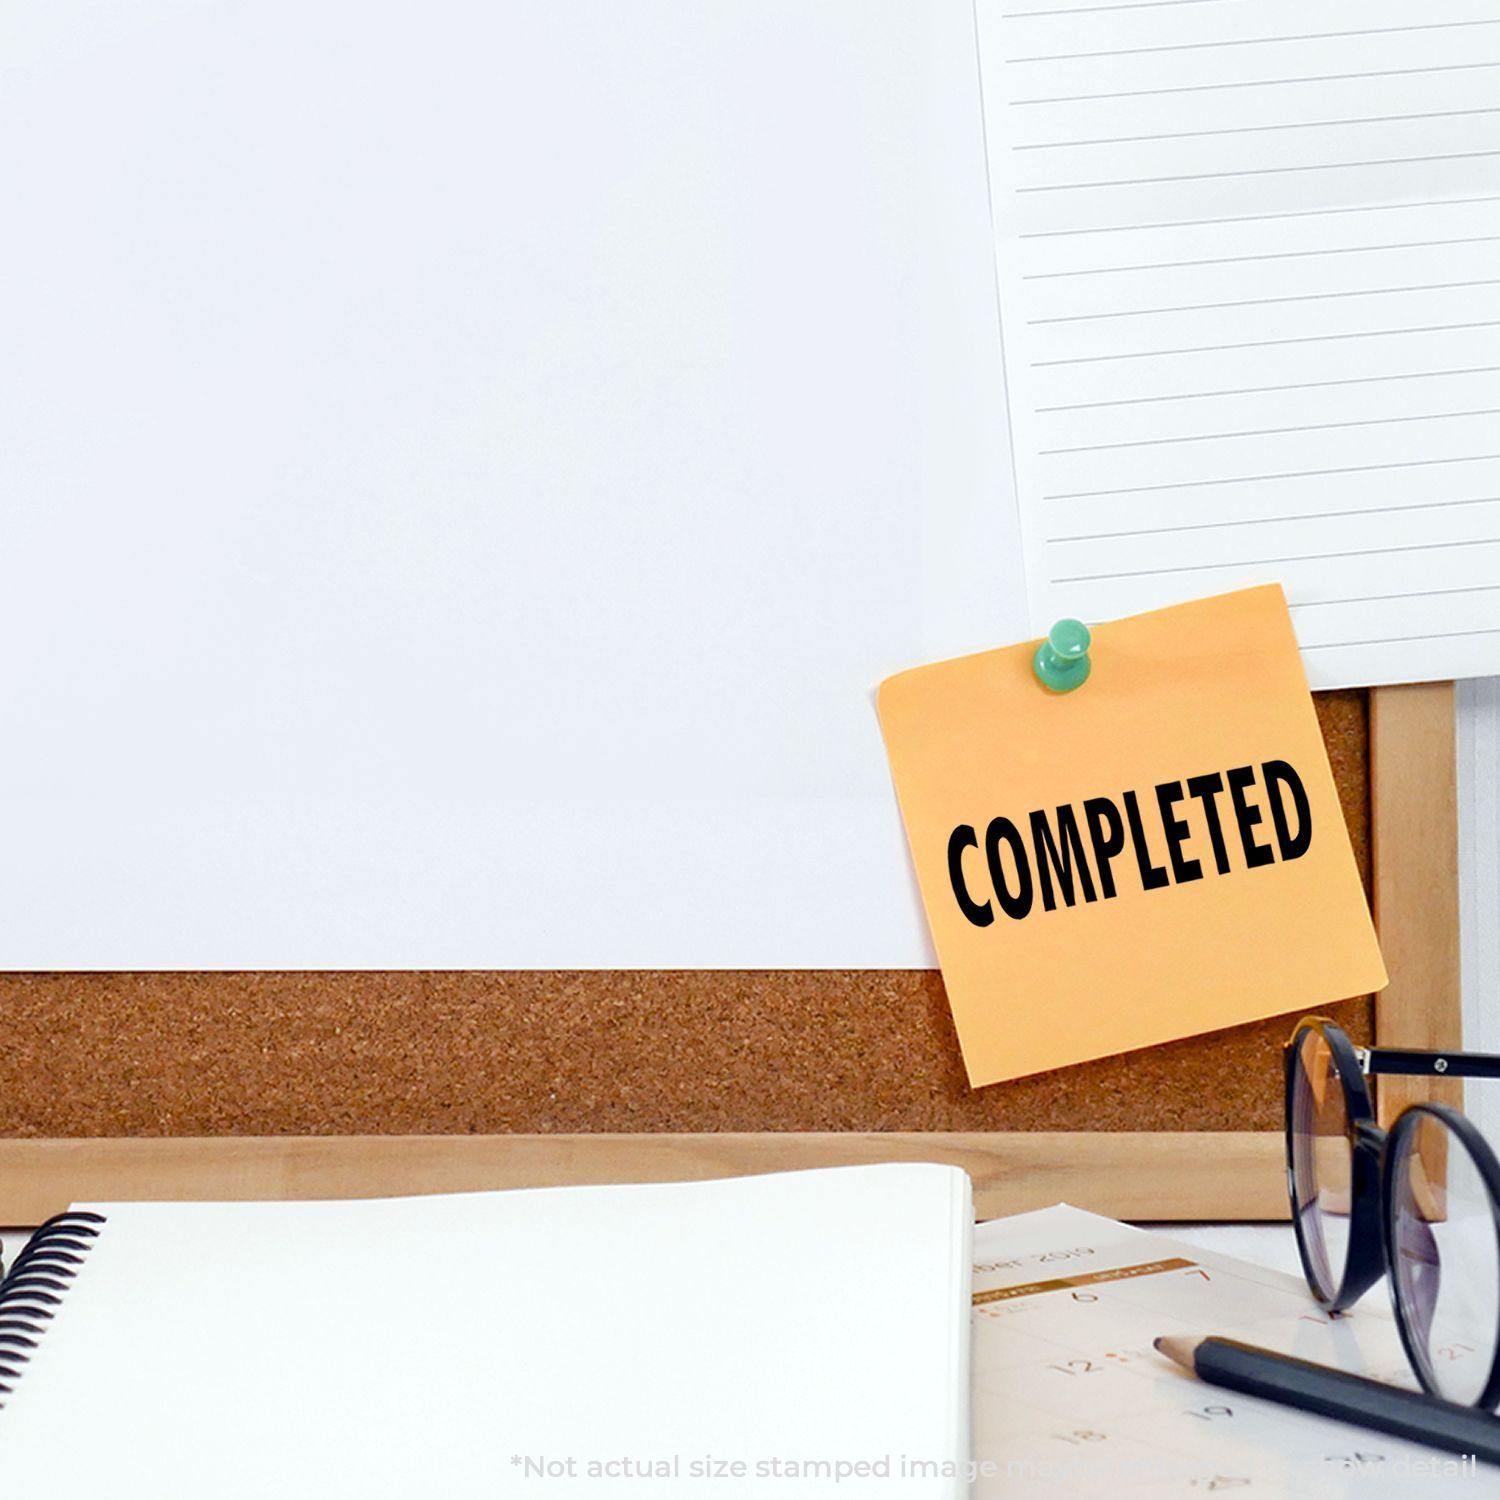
(326, 1053)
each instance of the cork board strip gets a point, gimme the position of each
(361, 1054)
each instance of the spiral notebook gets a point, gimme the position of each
(727, 1338)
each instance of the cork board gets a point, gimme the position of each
(461, 1053)
(713, 1056)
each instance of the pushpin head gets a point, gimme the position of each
(1061, 662)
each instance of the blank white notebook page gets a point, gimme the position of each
(1250, 296)
(519, 1344)
(465, 467)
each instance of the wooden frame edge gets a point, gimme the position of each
(1414, 849)
(1187, 1175)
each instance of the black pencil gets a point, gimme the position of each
(1331, 1393)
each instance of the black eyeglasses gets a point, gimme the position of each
(1420, 1203)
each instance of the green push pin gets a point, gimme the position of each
(1062, 660)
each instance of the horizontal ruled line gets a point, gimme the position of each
(1261, 390)
(1266, 562)
(1257, 83)
(1374, 291)
(1397, 640)
(1468, 588)
(1194, 484)
(1249, 432)
(1187, 135)
(1089, 10)
(1257, 41)
(1317, 166)
(1299, 213)
(1313, 338)
(1239, 260)
(1312, 515)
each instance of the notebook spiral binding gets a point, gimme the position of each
(31, 1292)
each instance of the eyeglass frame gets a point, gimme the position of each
(1373, 1153)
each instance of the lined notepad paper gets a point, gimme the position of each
(1249, 261)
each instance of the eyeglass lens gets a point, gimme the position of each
(1447, 1259)
(1322, 1162)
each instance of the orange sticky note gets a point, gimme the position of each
(1158, 853)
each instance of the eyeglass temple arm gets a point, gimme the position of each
(1400, 1063)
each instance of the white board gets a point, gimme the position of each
(463, 467)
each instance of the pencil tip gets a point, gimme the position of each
(1178, 1349)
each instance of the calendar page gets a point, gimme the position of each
(1070, 1398)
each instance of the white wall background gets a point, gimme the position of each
(1479, 882)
